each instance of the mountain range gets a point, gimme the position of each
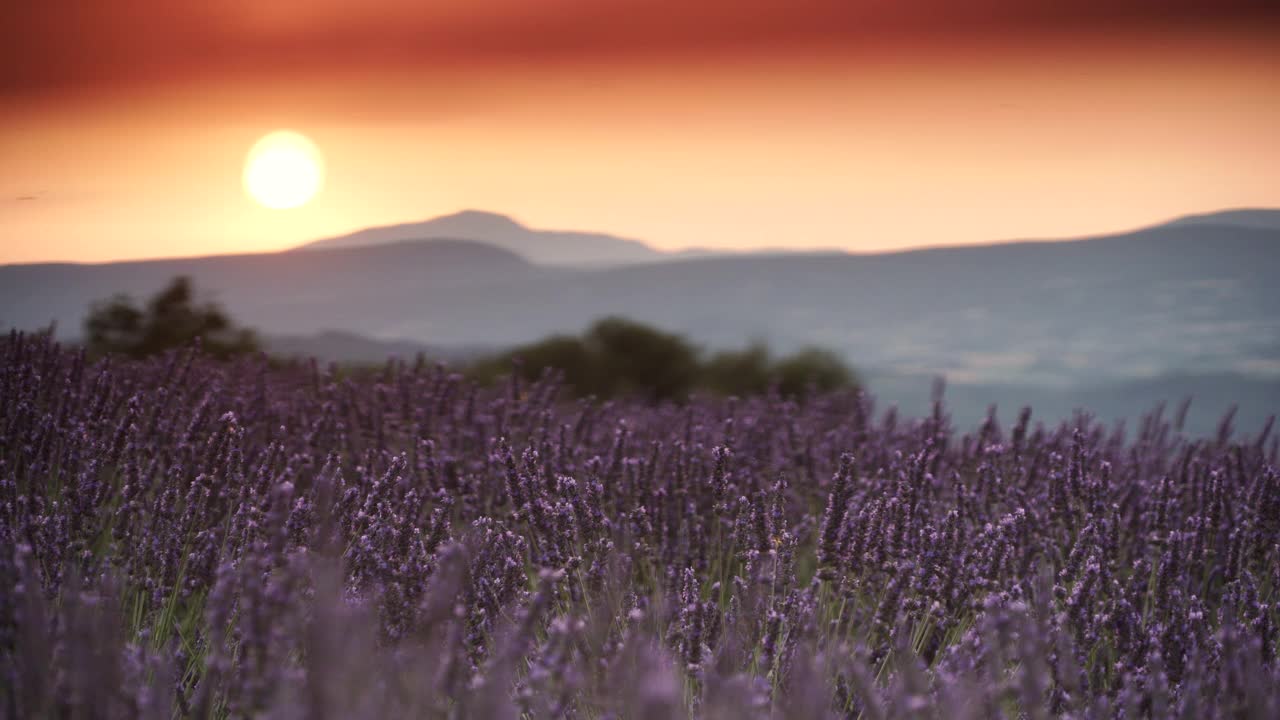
(546, 247)
(1194, 297)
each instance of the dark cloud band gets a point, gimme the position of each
(108, 42)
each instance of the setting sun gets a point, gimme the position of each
(283, 170)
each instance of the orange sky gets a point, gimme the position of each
(860, 125)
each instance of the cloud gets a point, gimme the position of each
(94, 43)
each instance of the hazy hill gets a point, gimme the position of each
(1199, 298)
(548, 247)
(358, 289)
(1254, 399)
(1242, 217)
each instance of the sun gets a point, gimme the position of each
(283, 170)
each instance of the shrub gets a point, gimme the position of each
(635, 358)
(171, 319)
(811, 369)
(620, 357)
(739, 372)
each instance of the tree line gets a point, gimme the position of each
(613, 357)
(617, 356)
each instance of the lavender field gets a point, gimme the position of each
(185, 538)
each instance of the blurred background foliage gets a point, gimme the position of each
(614, 357)
(170, 319)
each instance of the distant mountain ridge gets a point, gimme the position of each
(1196, 296)
(595, 250)
(545, 247)
(1259, 218)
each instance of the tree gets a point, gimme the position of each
(580, 369)
(754, 370)
(812, 369)
(171, 319)
(616, 356)
(636, 358)
(739, 372)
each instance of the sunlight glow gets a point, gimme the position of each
(283, 170)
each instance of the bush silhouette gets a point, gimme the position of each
(739, 372)
(171, 319)
(565, 353)
(753, 370)
(638, 359)
(616, 356)
(811, 369)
